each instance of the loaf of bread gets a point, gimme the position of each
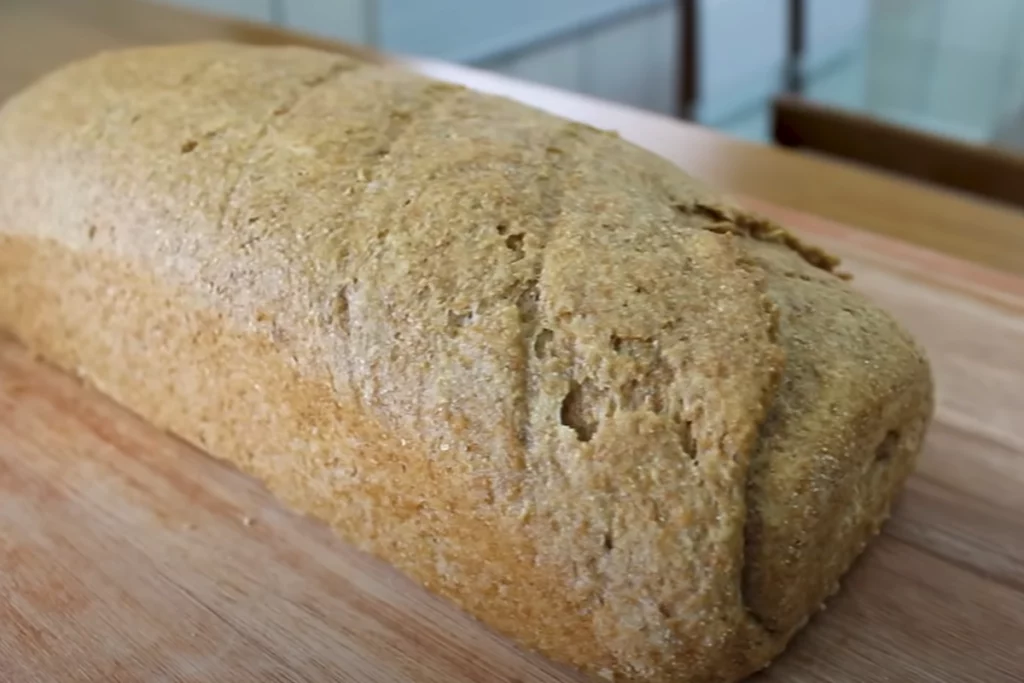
(541, 371)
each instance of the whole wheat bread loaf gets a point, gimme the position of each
(538, 369)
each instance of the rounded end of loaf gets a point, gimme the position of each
(841, 434)
(840, 439)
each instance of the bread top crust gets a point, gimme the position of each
(608, 352)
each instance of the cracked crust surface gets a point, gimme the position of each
(538, 369)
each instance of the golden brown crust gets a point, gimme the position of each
(538, 369)
(842, 434)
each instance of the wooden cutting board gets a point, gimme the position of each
(126, 555)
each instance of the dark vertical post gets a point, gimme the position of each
(689, 54)
(797, 40)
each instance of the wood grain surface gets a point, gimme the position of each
(39, 35)
(126, 555)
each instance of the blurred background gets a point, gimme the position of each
(954, 68)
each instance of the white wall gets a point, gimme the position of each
(349, 20)
(622, 50)
(954, 67)
(633, 60)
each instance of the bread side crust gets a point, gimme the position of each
(179, 366)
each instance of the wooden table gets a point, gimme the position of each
(126, 555)
(37, 35)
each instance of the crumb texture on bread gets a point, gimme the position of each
(541, 370)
